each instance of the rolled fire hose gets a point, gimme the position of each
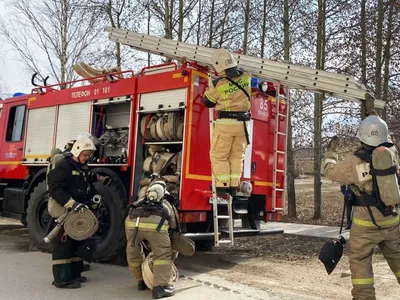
(147, 164)
(147, 271)
(81, 225)
(160, 126)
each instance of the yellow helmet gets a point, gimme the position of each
(222, 59)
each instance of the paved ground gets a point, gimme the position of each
(27, 275)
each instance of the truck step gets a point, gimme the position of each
(243, 232)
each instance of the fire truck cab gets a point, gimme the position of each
(152, 124)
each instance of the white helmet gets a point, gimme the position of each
(94, 139)
(373, 131)
(82, 144)
(222, 59)
(156, 191)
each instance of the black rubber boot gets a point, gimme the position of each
(222, 191)
(141, 286)
(71, 285)
(233, 191)
(81, 279)
(86, 268)
(162, 292)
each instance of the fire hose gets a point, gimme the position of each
(77, 225)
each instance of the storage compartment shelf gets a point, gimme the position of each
(163, 143)
(161, 110)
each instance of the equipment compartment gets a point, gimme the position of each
(159, 150)
(111, 126)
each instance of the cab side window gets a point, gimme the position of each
(15, 126)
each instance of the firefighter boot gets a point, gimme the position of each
(162, 292)
(141, 286)
(71, 285)
(86, 267)
(222, 191)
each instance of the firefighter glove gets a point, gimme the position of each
(77, 206)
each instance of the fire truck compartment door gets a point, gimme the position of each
(171, 99)
(73, 119)
(39, 135)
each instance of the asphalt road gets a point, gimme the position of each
(27, 274)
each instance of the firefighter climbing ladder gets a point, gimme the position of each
(216, 215)
(293, 76)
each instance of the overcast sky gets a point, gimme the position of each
(13, 76)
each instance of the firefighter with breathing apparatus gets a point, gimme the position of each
(70, 190)
(230, 95)
(154, 219)
(372, 173)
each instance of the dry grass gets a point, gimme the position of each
(332, 203)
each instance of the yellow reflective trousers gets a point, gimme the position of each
(228, 146)
(363, 239)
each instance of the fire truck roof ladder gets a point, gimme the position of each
(293, 76)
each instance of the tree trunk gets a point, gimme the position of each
(264, 27)
(378, 60)
(246, 26)
(211, 32)
(318, 112)
(112, 22)
(64, 43)
(180, 27)
(363, 51)
(148, 31)
(387, 57)
(290, 172)
(199, 24)
(167, 23)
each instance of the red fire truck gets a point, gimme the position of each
(157, 115)
(151, 124)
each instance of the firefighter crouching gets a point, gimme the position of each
(230, 95)
(69, 187)
(372, 173)
(150, 219)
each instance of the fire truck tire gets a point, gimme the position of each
(113, 242)
(37, 216)
(204, 245)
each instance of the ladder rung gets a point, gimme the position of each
(280, 152)
(279, 190)
(281, 171)
(281, 115)
(224, 241)
(281, 133)
(223, 217)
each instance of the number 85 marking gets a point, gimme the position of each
(263, 104)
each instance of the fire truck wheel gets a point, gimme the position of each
(110, 237)
(204, 245)
(37, 216)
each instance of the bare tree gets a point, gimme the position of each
(50, 36)
(320, 61)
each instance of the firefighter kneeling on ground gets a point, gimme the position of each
(230, 95)
(372, 173)
(68, 190)
(154, 219)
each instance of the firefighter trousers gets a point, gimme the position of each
(228, 146)
(160, 244)
(67, 266)
(363, 240)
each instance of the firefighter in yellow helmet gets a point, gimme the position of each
(372, 173)
(68, 187)
(150, 219)
(230, 95)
